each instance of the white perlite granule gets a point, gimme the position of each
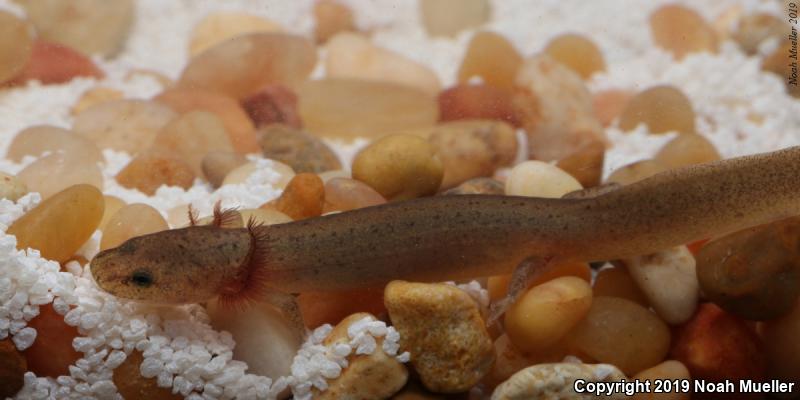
(739, 107)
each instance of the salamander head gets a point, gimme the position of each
(188, 265)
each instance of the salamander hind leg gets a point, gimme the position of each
(525, 273)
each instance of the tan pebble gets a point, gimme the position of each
(477, 101)
(608, 104)
(273, 104)
(662, 108)
(598, 335)
(12, 369)
(545, 313)
(686, 150)
(264, 216)
(636, 171)
(129, 221)
(11, 187)
(339, 173)
(578, 53)
(93, 96)
(540, 179)
(237, 123)
(556, 381)
(781, 346)
(617, 282)
(670, 371)
(191, 136)
(449, 17)
(300, 150)
(352, 108)
(178, 216)
(669, 280)
(112, 205)
(90, 26)
(159, 77)
(331, 17)
(58, 171)
(240, 66)
(303, 197)
(368, 376)
(217, 164)
(61, 224)
(351, 55)
(123, 125)
(564, 106)
(37, 139)
(399, 167)
(478, 186)
(442, 328)
(344, 194)
(680, 30)
(220, 26)
(132, 385)
(493, 58)
(265, 339)
(585, 164)
(472, 148)
(149, 171)
(755, 28)
(240, 174)
(16, 45)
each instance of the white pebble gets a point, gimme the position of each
(24, 338)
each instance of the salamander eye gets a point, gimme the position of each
(142, 278)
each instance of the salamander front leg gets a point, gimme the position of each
(525, 273)
(287, 304)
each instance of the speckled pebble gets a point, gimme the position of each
(442, 328)
(300, 150)
(11, 187)
(556, 381)
(367, 376)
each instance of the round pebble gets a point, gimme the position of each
(585, 164)
(61, 224)
(90, 26)
(303, 197)
(498, 285)
(479, 186)
(540, 179)
(58, 171)
(754, 273)
(11, 187)
(16, 44)
(12, 369)
(149, 171)
(441, 326)
(781, 346)
(636, 171)
(477, 101)
(680, 30)
(273, 104)
(472, 148)
(617, 282)
(53, 63)
(238, 67)
(131, 384)
(112, 205)
(578, 53)
(344, 194)
(123, 125)
(399, 167)
(622, 333)
(753, 29)
(492, 57)
(51, 353)
(218, 164)
(94, 96)
(300, 150)
(686, 150)
(662, 108)
(557, 381)
(130, 221)
(609, 104)
(669, 281)
(668, 371)
(545, 313)
(220, 26)
(449, 17)
(38, 139)
(242, 172)
(193, 135)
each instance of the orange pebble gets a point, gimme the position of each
(617, 282)
(303, 197)
(344, 194)
(331, 307)
(52, 353)
(608, 104)
(56, 63)
(498, 285)
(131, 384)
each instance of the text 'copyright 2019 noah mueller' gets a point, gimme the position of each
(792, 12)
(635, 386)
